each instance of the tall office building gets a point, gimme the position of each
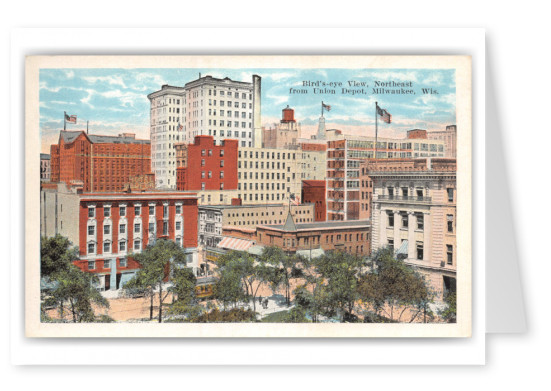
(221, 108)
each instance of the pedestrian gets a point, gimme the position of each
(259, 299)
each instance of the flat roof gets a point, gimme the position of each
(220, 207)
(324, 225)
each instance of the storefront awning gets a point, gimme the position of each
(403, 250)
(229, 243)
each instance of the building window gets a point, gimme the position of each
(179, 241)
(449, 253)
(178, 209)
(122, 228)
(107, 264)
(450, 223)
(165, 211)
(106, 247)
(137, 228)
(151, 227)
(122, 211)
(106, 211)
(91, 265)
(91, 248)
(122, 262)
(151, 210)
(91, 230)
(420, 221)
(91, 212)
(404, 220)
(137, 210)
(420, 251)
(178, 225)
(221, 174)
(203, 186)
(221, 163)
(390, 219)
(165, 228)
(450, 194)
(106, 229)
(137, 244)
(391, 244)
(122, 246)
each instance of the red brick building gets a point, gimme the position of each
(111, 227)
(102, 163)
(206, 166)
(313, 192)
(352, 237)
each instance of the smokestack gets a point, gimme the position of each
(257, 132)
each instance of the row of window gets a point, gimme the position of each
(107, 263)
(419, 249)
(137, 228)
(137, 211)
(280, 155)
(229, 94)
(122, 246)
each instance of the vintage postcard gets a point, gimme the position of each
(248, 196)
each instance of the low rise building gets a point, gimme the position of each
(44, 167)
(109, 228)
(352, 237)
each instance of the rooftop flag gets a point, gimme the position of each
(72, 119)
(326, 107)
(385, 115)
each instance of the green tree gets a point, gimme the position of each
(287, 268)
(449, 313)
(183, 290)
(70, 289)
(392, 285)
(155, 265)
(337, 293)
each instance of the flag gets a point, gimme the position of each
(72, 119)
(326, 107)
(294, 200)
(385, 115)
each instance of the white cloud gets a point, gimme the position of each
(69, 74)
(111, 80)
(433, 79)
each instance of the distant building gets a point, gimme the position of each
(344, 157)
(284, 134)
(207, 166)
(145, 182)
(214, 219)
(99, 163)
(313, 191)
(352, 237)
(414, 213)
(221, 108)
(449, 137)
(108, 228)
(44, 167)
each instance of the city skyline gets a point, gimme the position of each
(115, 100)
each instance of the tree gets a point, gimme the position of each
(70, 288)
(155, 267)
(286, 268)
(241, 266)
(449, 313)
(392, 285)
(337, 293)
(183, 290)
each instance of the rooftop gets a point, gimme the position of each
(222, 207)
(323, 225)
(126, 138)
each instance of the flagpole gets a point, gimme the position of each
(376, 129)
(86, 126)
(64, 120)
(322, 108)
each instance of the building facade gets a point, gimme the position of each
(449, 137)
(214, 219)
(108, 228)
(414, 213)
(44, 167)
(352, 237)
(344, 157)
(313, 191)
(99, 163)
(221, 108)
(283, 135)
(207, 166)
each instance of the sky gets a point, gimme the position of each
(115, 100)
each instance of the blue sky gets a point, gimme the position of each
(115, 100)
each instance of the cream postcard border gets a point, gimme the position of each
(462, 65)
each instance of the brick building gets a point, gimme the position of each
(349, 236)
(101, 163)
(207, 166)
(108, 228)
(314, 192)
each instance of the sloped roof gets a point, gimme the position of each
(230, 243)
(71, 135)
(289, 223)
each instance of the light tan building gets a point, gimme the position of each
(284, 134)
(59, 211)
(414, 212)
(449, 137)
(213, 219)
